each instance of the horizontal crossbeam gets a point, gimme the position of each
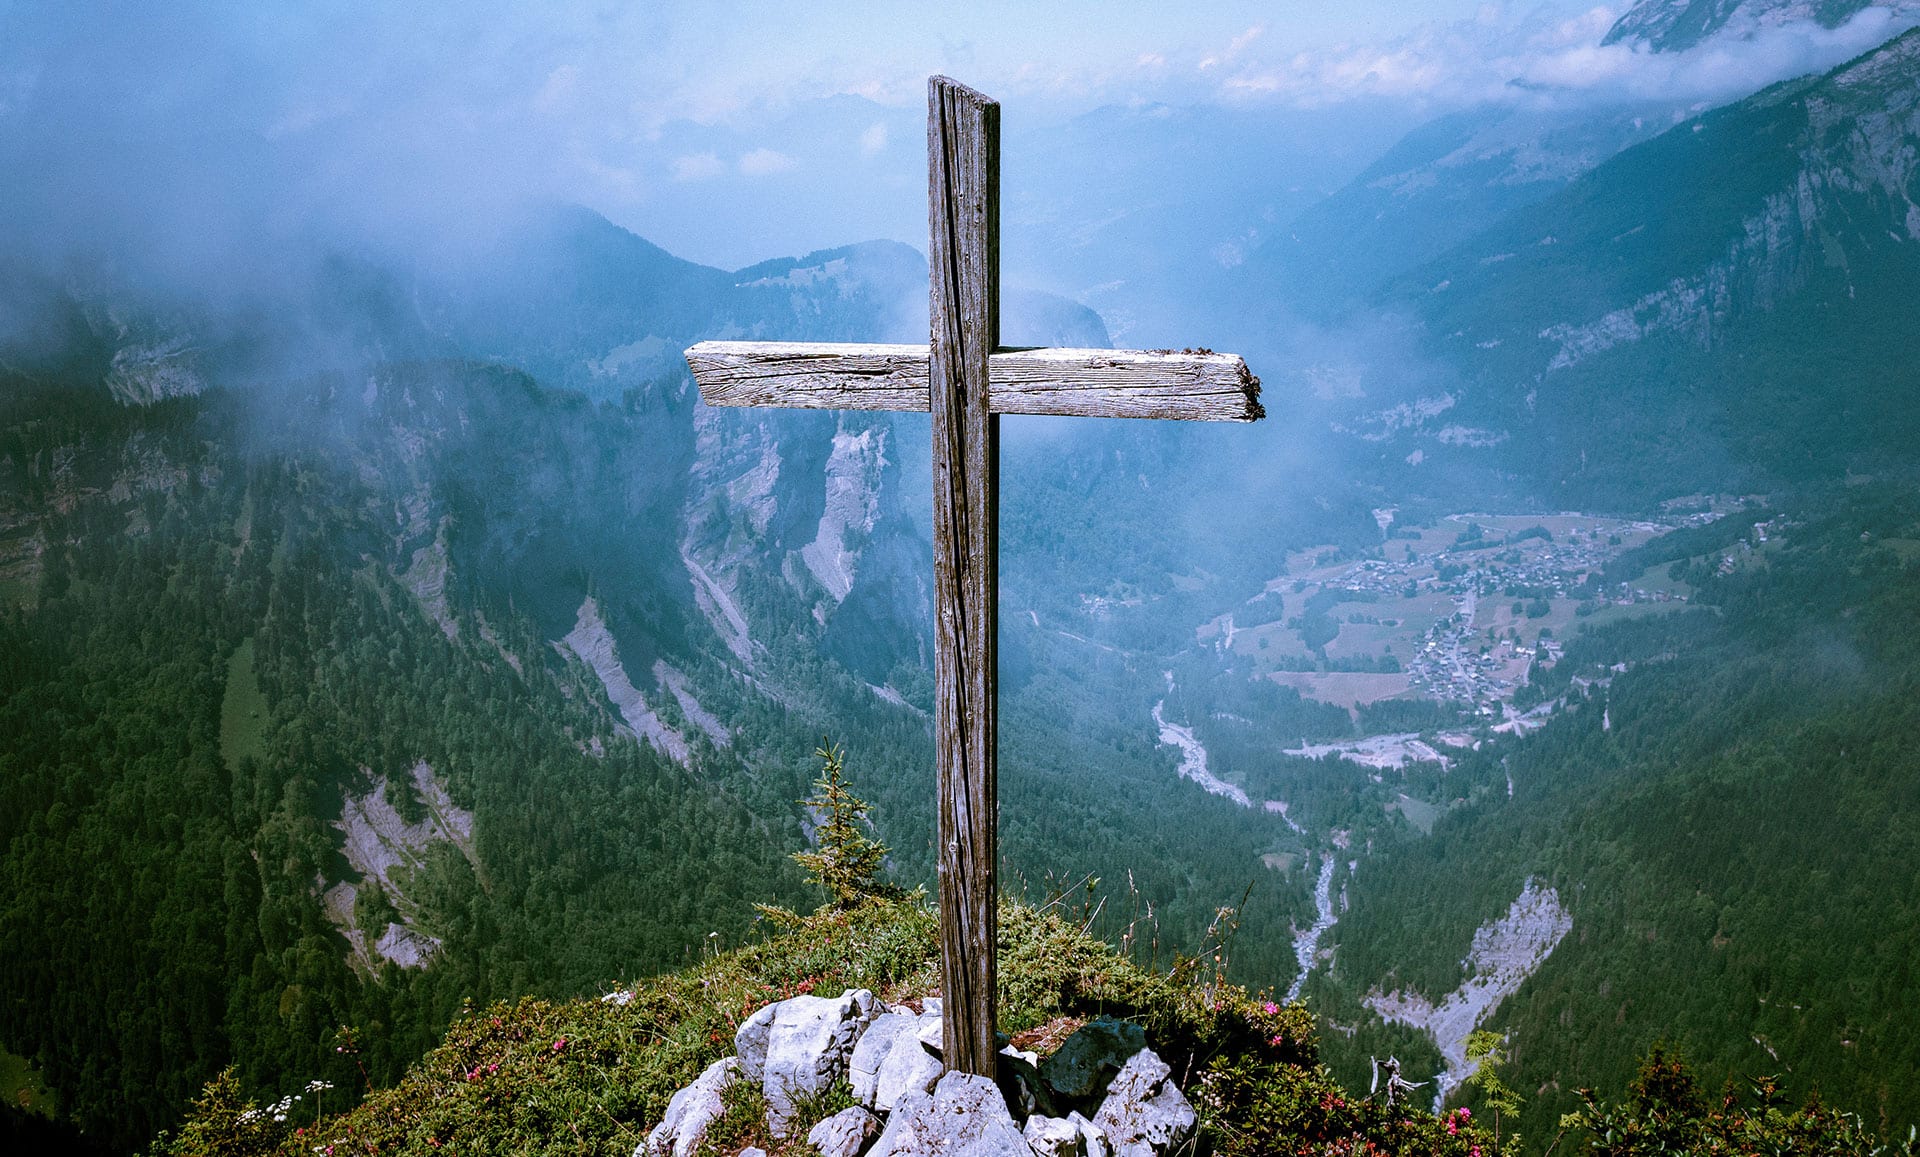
(1195, 385)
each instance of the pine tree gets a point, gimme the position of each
(844, 861)
(1485, 1047)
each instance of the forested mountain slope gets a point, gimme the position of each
(1727, 806)
(1722, 307)
(1438, 186)
(341, 689)
(217, 669)
(408, 633)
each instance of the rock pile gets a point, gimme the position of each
(910, 1106)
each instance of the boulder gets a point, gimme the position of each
(1020, 1082)
(690, 1112)
(930, 1035)
(750, 1041)
(889, 1061)
(964, 1116)
(845, 1133)
(1145, 1114)
(1052, 1136)
(1085, 1062)
(800, 1047)
(1068, 1136)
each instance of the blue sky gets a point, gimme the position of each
(727, 132)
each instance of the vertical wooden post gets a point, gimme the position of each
(963, 255)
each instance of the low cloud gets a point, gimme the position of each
(1548, 59)
(1236, 48)
(180, 138)
(765, 163)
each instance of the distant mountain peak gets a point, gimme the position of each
(1677, 25)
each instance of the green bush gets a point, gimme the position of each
(593, 1076)
(1666, 1112)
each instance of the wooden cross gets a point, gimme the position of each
(968, 381)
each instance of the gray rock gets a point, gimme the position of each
(800, 1047)
(1145, 1114)
(845, 1133)
(753, 1151)
(750, 1041)
(889, 1061)
(1093, 1142)
(964, 1116)
(1086, 1061)
(690, 1112)
(1068, 1136)
(863, 1066)
(1052, 1136)
(930, 1038)
(1019, 1081)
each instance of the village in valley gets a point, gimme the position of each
(1448, 618)
(1457, 613)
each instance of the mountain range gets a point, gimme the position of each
(398, 632)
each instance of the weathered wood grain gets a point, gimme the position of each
(963, 258)
(1189, 385)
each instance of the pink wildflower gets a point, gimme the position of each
(1277, 1039)
(559, 1044)
(1271, 1007)
(1464, 1112)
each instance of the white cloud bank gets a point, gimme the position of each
(1549, 58)
(191, 128)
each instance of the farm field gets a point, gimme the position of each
(1457, 611)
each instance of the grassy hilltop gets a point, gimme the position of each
(592, 1076)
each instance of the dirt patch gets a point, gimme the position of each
(1046, 1039)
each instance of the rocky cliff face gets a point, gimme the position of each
(1677, 25)
(1634, 301)
(570, 476)
(1461, 173)
(382, 849)
(1855, 154)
